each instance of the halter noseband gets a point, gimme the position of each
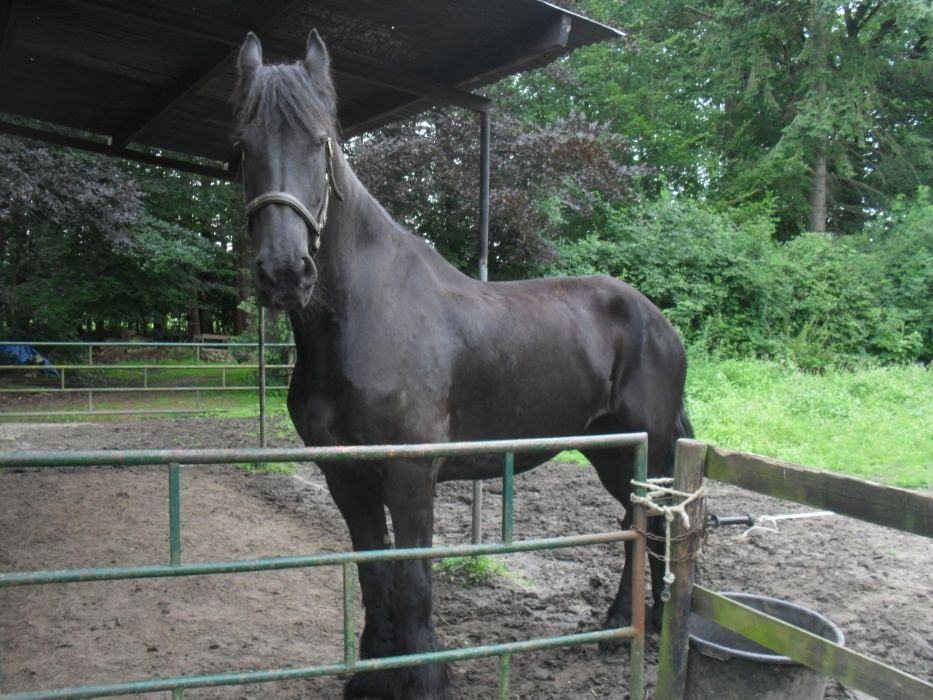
(316, 223)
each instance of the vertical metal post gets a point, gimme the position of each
(349, 625)
(505, 674)
(484, 146)
(145, 377)
(508, 504)
(174, 515)
(62, 375)
(485, 138)
(639, 523)
(262, 375)
(178, 693)
(689, 467)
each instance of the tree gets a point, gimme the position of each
(92, 242)
(214, 210)
(819, 110)
(58, 210)
(543, 178)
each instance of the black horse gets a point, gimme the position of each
(396, 346)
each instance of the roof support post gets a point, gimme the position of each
(484, 148)
(484, 143)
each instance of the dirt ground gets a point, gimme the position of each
(875, 583)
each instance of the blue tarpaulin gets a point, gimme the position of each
(26, 355)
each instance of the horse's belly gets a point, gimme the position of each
(487, 466)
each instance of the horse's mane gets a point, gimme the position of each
(286, 91)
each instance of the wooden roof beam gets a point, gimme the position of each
(107, 149)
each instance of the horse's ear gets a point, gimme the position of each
(250, 55)
(317, 60)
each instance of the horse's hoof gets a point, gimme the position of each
(367, 686)
(613, 651)
(416, 683)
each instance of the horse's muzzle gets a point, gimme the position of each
(285, 286)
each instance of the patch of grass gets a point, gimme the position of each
(471, 571)
(872, 423)
(572, 457)
(287, 468)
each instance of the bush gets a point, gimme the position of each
(732, 290)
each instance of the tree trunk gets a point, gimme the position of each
(818, 194)
(817, 198)
(194, 316)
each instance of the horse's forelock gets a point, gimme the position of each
(286, 92)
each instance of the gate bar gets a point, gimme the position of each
(505, 675)
(639, 561)
(262, 373)
(62, 458)
(174, 515)
(508, 502)
(346, 559)
(233, 678)
(115, 573)
(349, 621)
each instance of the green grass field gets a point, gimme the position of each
(873, 423)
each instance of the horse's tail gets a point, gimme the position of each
(682, 429)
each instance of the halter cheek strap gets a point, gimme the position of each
(316, 223)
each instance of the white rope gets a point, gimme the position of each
(656, 488)
(773, 519)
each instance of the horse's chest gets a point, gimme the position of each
(369, 407)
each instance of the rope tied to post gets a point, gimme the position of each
(656, 490)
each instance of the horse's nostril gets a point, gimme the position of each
(309, 270)
(263, 277)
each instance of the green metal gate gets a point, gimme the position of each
(350, 663)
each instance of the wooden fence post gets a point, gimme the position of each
(690, 463)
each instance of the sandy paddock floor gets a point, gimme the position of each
(874, 582)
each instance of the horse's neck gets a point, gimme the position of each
(360, 238)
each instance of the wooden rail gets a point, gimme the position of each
(901, 509)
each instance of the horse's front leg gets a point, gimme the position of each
(357, 491)
(397, 596)
(409, 495)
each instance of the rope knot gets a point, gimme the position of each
(656, 489)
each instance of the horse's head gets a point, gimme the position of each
(286, 136)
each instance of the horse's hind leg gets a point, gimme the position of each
(615, 468)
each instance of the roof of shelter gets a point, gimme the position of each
(120, 77)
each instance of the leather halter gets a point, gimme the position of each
(316, 223)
